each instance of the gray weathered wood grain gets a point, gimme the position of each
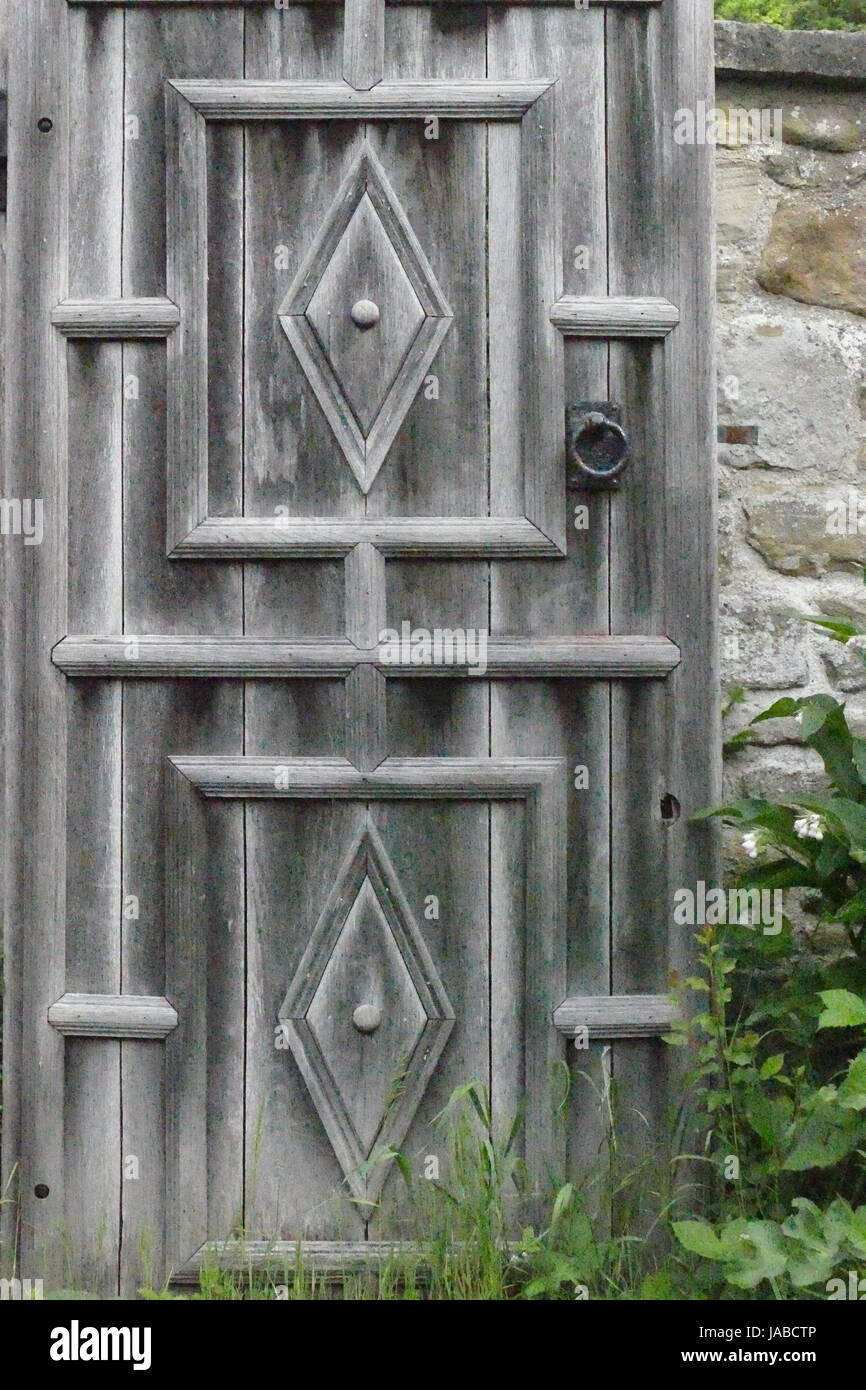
(659, 197)
(614, 317)
(160, 718)
(293, 174)
(112, 1016)
(570, 594)
(330, 3)
(304, 100)
(364, 43)
(518, 658)
(116, 318)
(560, 226)
(616, 1015)
(95, 581)
(283, 536)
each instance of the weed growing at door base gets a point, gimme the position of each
(483, 1231)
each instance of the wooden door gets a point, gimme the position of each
(345, 740)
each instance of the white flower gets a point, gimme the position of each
(809, 827)
(752, 844)
(858, 642)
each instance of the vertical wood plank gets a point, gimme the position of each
(161, 718)
(363, 43)
(691, 600)
(642, 717)
(662, 529)
(226, 195)
(365, 595)
(366, 717)
(366, 688)
(439, 465)
(690, 426)
(186, 285)
(293, 1182)
(569, 595)
(543, 451)
(95, 709)
(440, 853)
(205, 951)
(35, 615)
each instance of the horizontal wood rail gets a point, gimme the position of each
(331, 2)
(433, 537)
(246, 99)
(112, 1016)
(618, 317)
(116, 318)
(616, 1015)
(396, 779)
(506, 658)
(282, 1257)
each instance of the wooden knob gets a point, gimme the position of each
(367, 1018)
(365, 314)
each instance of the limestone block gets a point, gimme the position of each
(845, 668)
(762, 648)
(825, 127)
(816, 253)
(798, 168)
(797, 377)
(738, 199)
(803, 531)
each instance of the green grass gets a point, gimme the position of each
(487, 1230)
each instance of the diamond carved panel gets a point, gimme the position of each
(365, 316)
(366, 1015)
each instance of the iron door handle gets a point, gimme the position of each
(598, 446)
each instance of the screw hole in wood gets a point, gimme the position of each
(670, 808)
(41, 1189)
(45, 124)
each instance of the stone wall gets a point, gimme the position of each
(791, 211)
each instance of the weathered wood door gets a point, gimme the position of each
(344, 739)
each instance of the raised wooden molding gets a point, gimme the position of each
(366, 873)
(539, 528)
(540, 783)
(365, 702)
(280, 1257)
(154, 656)
(365, 449)
(364, 43)
(252, 100)
(116, 318)
(507, 658)
(262, 3)
(366, 595)
(617, 317)
(437, 537)
(616, 1015)
(112, 1016)
(398, 779)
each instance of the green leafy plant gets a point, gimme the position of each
(806, 1249)
(796, 14)
(770, 1125)
(777, 1038)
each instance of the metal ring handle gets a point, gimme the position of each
(600, 448)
